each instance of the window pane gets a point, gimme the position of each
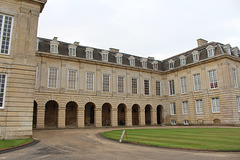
(90, 81)
(106, 82)
(146, 87)
(134, 85)
(120, 84)
(2, 89)
(72, 79)
(52, 77)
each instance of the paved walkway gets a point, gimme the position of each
(85, 144)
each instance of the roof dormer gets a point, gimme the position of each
(144, 62)
(182, 60)
(131, 60)
(119, 58)
(54, 45)
(210, 50)
(227, 48)
(155, 65)
(104, 54)
(171, 64)
(195, 55)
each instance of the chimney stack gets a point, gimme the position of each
(76, 43)
(55, 38)
(201, 42)
(114, 50)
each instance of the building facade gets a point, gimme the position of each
(52, 84)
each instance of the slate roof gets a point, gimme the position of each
(44, 46)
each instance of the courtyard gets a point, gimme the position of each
(89, 144)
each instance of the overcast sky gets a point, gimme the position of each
(157, 28)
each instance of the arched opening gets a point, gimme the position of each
(89, 117)
(34, 114)
(135, 114)
(216, 121)
(121, 114)
(51, 114)
(71, 114)
(159, 114)
(148, 115)
(106, 114)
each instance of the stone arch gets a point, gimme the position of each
(160, 119)
(71, 114)
(216, 121)
(51, 114)
(135, 114)
(89, 114)
(148, 118)
(34, 124)
(122, 108)
(106, 114)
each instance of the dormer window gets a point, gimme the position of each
(227, 48)
(89, 53)
(210, 51)
(182, 60)
(155, 65)
(54, 45)
(171, 64)
(235, 51)
(144, 62)
(195, 56)
(104, 56)
(131, 61)
(72, 50)
(119, 58)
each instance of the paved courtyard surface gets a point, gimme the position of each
(86, 144)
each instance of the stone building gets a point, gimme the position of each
(52, 84)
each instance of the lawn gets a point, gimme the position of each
(219, 139)
(12, 143)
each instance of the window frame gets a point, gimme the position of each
(10, 36)
(213, 79)
(136, 85)
(215, 105)
(235, 80)
(238, 102)
(76, 76)
(158, 88)
(183, 85)
(57, 69)
(210, 51)
(195, 55)
(197, 87)
(72, 50)
(123, 84)
(171, 87)
(185, 107)
(104, 84)
(199, 109)
(173, 109)
(145, 87)
(4, 88)
(87, 83)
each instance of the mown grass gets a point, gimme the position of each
(13, 143)
(219, 139)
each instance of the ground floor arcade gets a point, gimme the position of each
(52, 115)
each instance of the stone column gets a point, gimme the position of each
(129, 117)
(80, 117)
(142, 117)
(40, 116)
(154, 116)
(114, 117)
(98, 117)
(61, 117)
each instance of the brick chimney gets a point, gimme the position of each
(201, 42)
